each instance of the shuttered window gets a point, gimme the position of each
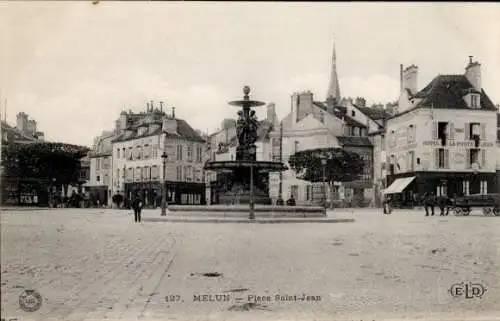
(435, 130)
(452, 131)
(483, 131)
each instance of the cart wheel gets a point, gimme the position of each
(496, 211)
(457, 211)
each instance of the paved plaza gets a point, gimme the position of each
(91, 264)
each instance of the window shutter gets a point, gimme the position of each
(467, 159)
(452, 131)
(483, 158)
(446, 158)
(435, 130)
(483, 131)
(467, 131)
(436, 158)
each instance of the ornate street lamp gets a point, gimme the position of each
(251, 215)
(164, 157)
(323, 163)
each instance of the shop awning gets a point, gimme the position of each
(399, 185)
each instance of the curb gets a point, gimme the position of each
(247, 221)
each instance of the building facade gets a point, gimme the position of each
(100, 158)
(137, 162)
(443, 138)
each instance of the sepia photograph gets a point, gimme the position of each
(212, 160)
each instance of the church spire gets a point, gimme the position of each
(333, 89)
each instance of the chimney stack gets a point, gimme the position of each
(161, 106)
(173, 112)
(151, 104)
(473, 73)
(147, 106)
(401, 77)
(410, 76)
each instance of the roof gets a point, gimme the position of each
(361, 141)
(341, 112)
(10, 133)
(184, 131)
(377, 132)
(374, 113)
(447, 91)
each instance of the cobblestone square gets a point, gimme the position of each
(91, 264)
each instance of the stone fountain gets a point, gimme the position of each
(246, 178)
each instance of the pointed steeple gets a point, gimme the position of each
(333, 89)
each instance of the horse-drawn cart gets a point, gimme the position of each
(490, 204)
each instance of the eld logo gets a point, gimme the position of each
(468, 290)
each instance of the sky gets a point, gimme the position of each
(74, 66)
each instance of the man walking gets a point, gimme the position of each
(137, 206)
(429, 202)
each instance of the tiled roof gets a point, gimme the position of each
(183, 129)
(361, 141)
(339, 112)
(374, 113)
(447, 91)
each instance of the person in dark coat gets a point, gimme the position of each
(429, 202)
(387, 204)
(137, 206)
(443, 203)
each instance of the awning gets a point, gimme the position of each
(399, 185)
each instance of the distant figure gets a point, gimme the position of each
(443, 203)
(137, 206)
(387, 204)
(291, 201)
(429, 202)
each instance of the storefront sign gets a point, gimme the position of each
(454, 143)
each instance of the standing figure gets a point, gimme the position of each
(443, 204)
(387, 204)
(429, 202)
(137, 206)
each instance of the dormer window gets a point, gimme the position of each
(353, 113)
(474, 101)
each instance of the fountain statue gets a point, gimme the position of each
(247, 178)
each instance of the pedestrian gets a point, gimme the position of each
(429, 202)
(443, 203)
(137, 206)
(387, 204)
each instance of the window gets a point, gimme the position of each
(474, 101)
(117, 153)
(296, 147)
(411, 134)
(146, 173)
(130, 153)
(411, 159)
(353, 113)
(146, 151)
(179, 173)
(392, 139)
(106, 179)
(418, 160)
(130, 174)
(154, 171)
(186, 173)
(308, 192)
(294, 191)
(466, 187)
(190, 153)
(138, 151)
(442, 132)
(484, 187)
(98, 163)
(179, 152)
(98, 178)
(442, 158)
(474, 156)
(123, 153)
(382, 142)
(118, 174)
(473, 131)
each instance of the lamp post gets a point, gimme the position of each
(164, 157)
(323, 163)
(251, 215)
(280, 192)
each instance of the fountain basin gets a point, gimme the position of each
(242, 211)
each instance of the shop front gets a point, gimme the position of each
(179, 193)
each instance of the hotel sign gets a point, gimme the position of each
(453, 143)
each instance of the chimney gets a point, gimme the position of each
(147, 106)
(271, 113)
(173, 112)
(161, 106)
(151, 104)
(410, 78)
(473, 73)
(22, 121)
(304, 104)
(401, 77)
(330, 105)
